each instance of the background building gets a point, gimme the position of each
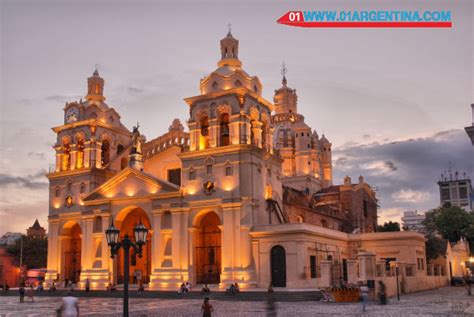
(36, 231)
(413, 221)
(9, 238)
(456, 190)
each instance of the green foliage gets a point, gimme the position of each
(35, 252)
(389, 227)
(452, 223)
(435, 247)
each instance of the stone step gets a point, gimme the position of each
(280, 296)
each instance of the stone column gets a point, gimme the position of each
(325, 273)
(156, 247)
(366, 266)
(352, 272)
(176, 239)
(53, 252)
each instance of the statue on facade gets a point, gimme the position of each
(136, 142)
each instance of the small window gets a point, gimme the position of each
(57, 191)
(302, 134)
(209, 169)
(83, 188)
(192, 175)
(69, 187)
(238, 83)
(255, 88)
(174, 176)
(312, 266)
(228, 171)
(214, 85)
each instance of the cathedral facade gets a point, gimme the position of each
(245, 195)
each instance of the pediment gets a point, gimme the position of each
(131, 184)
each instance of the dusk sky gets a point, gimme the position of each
(393, 102)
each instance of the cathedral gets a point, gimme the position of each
(244, 194)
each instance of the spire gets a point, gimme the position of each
(229, 50)
(95, 86)
(284, 70)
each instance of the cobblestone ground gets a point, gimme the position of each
(448, 301)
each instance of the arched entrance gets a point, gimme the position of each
(139, 267)
(278, 266)
(71, 251)
(208, 250)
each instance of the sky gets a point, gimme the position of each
(393, 102)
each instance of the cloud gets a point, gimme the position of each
(405, 172)
(30, 182)
(410, 196)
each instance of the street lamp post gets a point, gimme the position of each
(113, 234)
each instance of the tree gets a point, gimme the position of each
(435, 247)
(35, 252)
(389, 227)
(452, 223)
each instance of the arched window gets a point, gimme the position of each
(204, 143)
(215, 85)
(167, 222)
(123, 163)
(237, 83)
(120, 149)
(97, 224)
(80, 152)
(168, 248)
(97, 89)
(82, 189)
(299, 219)
(66, 155)
(224, 130)
(57, 191)
(324, 223)
(105, 152)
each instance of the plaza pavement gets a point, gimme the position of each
(447, 301)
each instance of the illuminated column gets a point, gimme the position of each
(213, 133)
(53, 252)
(156, 248)
(87, 154)
(192, 234)
(97, 155)
(234, 132)
(106, 260)
(175, 242)
(87, 243)
(58, 159)
(73, 156)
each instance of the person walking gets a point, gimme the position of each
(383, 293)
(21, 290)
(206, 308)
(141, 287)
(70, 306)
(30, 293)
(364, 294)
(88, 286)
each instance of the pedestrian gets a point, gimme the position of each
(206, 308)
(383, 293)
(5, 286)
(52, 289)
(30, 293)
(21, 290)
(364, 294)
(205, 290)
(270, 288)
(88, 286)
(469, 285)
(141, 287)
(70, 306)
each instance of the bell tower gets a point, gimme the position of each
(229, 51)
(95, 87)
(285, 98)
